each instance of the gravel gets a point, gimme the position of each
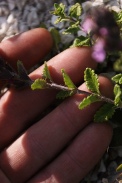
(18, 16)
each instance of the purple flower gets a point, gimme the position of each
(88, 25)
(99, 53)
(104, 32)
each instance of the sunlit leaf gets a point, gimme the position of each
(81, 41)
(68, 82)
(74, 28)
(88, 100)
(59, 9)
(38, 84)
(119, 168)
(117, 78)
(118, 94)
(75, 10)
(91, 80)
(46, 72)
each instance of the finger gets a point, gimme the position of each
(44, 140)
(79, 157)
(29, 47)
(20, 108)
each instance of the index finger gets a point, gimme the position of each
(29, 47)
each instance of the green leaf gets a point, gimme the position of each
(46, 72)
(22, 71)
(118, 94)
(38, 84)
(58, 20)
(118, 17)
(118, 63)
(59, 10)
(91, 80)
(75, 10)
(88, 100)
(81, 41)
(74, 28)
(119, 168)
(117, 78)
(56, 37)
(64, 94)
(68, 82)
(104, 113)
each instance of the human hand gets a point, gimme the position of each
(63, 146)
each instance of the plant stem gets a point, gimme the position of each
(78, 91)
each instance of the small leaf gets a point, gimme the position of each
(91, 80)
(64, 94)
(13, 78)
(75, 10)
(119, 168)
(46, 72)
(118, 17)
(104, 113)
(81, 41)
(68, 82)
(117, 78)
(38, 84)
(118, 94)
(22, 71)
(56, 36)
(88, 100)
(59, 10)
(74, 28)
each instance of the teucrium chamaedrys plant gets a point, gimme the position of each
(94, 95)
(102, 30)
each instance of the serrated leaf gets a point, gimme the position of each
(104, 113)
(56, 37)
(64, 94)
(118, 17)
(74, 28)
(68, 82)
(119, 168)
(59, 9)
(59, 19)
(38, 84)
(75, 10)
(117, 78)
(118, 94)
(46, 72)
(81, 41)
(91, 80)
(88, 100)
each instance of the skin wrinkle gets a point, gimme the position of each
(69, 160)
(55, 117)
(31, 97)
(54, 134)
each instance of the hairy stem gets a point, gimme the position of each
(78, 91)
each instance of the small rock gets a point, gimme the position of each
(4, 27)
(10, 19)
